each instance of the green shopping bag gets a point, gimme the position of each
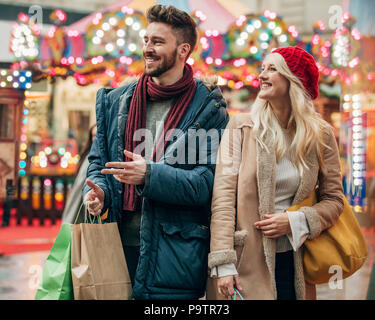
(56, 282)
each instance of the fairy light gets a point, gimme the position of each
(353, 63)
(204, 43)
(264, 36)
(18, 79)
(209, 60)
(219, 62)
(240, 42)
(120, 42)
(293, 31)
(356, 179)
(24, 41)
(127, 10)
(106, 26)
(253, 50)
(96, 40)
(321, 25)
(24, 142)
(315, 39)
(283, 38)
(356, 34)
(129, 21)
(244, 35)
(190, 61)
(132, 47)
(240, 21)
(257, 24)
(120, 33)
(200, 15)
(60, 15)
(113, 21)
(250, 28)
(109, 47)
(136, 26)
(79, 60)
(271, 25)
(341, 49)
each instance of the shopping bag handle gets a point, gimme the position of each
(239, 294)
(87, 214)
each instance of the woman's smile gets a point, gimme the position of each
(266, 85)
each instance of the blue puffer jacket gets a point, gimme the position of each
(176, 194)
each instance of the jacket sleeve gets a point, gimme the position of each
(167, 184)
(325, 213)
(96, 163)
(180, 186)
(94, 174)
(224, 197)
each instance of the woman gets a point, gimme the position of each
(268, 161)
(75, 198)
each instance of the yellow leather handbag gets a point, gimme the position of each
(342, 245)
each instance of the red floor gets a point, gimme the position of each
(23, 238)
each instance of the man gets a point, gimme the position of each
(162, 205)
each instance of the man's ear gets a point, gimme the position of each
(183, 50)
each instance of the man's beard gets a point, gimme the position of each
(167, 64)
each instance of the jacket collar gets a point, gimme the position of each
(203, 95)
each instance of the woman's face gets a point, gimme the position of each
(273, 85)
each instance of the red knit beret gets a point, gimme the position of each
(302, 64)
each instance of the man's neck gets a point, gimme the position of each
(170, 77)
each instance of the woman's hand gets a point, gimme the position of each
(274, 225)
(226, 285)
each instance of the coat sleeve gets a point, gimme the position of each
(224, 197)
(171, 185)
(96, 163)
(94, 174)
(325, 213)
(179, 186)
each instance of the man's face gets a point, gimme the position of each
(159, 49)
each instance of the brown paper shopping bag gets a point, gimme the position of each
(99, 270)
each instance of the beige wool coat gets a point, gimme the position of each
(244, 191)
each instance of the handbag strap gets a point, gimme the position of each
(235, 295)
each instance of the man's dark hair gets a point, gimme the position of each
(182, 24)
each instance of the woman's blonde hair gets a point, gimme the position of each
(306, 124)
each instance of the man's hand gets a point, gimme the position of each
(274, 225)
(94, 198)
(132, 172)
(226, 285)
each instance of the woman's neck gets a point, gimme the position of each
(282, 110)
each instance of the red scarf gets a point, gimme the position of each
(183, 91)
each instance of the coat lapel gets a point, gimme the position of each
(308, 179)
(266, 183)
(266, 174)
(266, 171)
